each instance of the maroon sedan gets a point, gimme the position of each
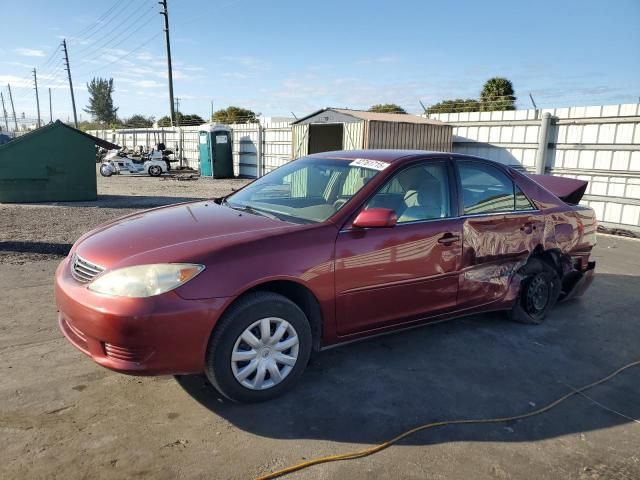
(326, 249)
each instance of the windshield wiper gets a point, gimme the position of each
(250, 209)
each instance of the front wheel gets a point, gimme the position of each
(106, 170)
(539, 292)
(259, 349)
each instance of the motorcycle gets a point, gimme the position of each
(116, 162)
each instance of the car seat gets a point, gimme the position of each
(425, 202)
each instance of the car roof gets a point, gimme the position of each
(383, 155)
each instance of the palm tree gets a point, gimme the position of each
(497, 94)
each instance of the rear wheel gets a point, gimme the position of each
(259, 349)
(155, 170)
(539, 292)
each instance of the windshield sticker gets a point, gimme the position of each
(372, 164)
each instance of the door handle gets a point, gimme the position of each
(448, 238)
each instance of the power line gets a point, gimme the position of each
(51, 57)
(146, 42)
(111, 34)
(88, 58)
(98, 22)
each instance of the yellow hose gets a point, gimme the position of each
(378, 448)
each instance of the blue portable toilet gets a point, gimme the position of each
(216, 152)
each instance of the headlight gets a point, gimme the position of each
(145, 280)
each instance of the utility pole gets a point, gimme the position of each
(73, 98)
(211, 118)
(177, 111)
(13, 109)
(50, 109)
(35, 86)
(165, 14)
(535, 107)
(4, 113)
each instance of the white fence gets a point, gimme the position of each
(257, 148)
(600, 144)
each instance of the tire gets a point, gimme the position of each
(539, 292)
(106, 171)
(227, 342)
(155, 171)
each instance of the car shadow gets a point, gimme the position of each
(44, 248)
(476, 367)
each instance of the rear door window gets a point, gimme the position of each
(485, 189)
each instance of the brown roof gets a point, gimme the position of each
(387, 117)
(384, 155)
(374, 116)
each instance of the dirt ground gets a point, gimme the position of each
(32, 232)
(62, 416)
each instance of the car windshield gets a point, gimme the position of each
(307, 190)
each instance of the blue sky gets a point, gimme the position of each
(284, 56)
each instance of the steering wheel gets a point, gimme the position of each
(339, 203)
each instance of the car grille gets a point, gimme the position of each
(84, 271)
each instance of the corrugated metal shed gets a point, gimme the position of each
(342, 129)
(51, 164)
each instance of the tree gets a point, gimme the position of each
(497, 94)
(101, 100)
(164, 121)
(387, 108)
(234, 115)
(455, 106)
(139, 121)
(190, 119)
(84, 126)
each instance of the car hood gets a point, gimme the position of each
(184, 232)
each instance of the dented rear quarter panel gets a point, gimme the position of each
(496, 246)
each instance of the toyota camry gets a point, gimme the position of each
(324, 250)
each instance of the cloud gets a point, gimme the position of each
(193, 69)
(74, 40)
(385, 60)
(136, 82)
(237, 75)
(15, 81)
(18, 64)
(145, 56)
(247, 61)
(29, 52)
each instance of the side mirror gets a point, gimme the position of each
(376, 218)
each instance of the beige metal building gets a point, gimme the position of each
(341, 129)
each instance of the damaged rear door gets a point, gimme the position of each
(501, 228)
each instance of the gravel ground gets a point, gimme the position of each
(32, 232)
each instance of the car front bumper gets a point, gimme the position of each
(159, 335)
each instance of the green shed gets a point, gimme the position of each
(55, 163)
